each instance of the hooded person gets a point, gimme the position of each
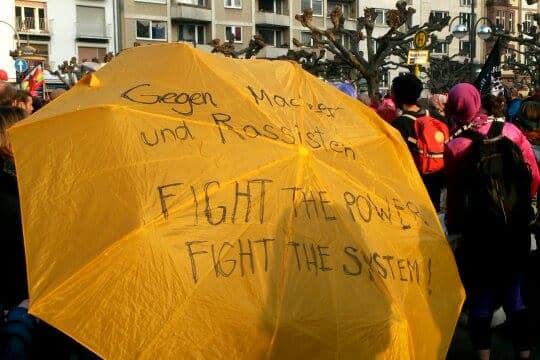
(486, 244)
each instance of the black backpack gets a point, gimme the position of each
(496, 183)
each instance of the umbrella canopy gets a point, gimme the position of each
(91, 66)
(177, 204)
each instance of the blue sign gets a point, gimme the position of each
(21, 65)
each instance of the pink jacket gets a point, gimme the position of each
(463, 103)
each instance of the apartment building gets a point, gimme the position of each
(143, 22)
(199, 21)
(57, 30)
(87, 29)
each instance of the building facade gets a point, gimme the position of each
(88, 29)
(58, 30)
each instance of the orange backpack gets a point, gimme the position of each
(431, 136)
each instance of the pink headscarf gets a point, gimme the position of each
(464, 105)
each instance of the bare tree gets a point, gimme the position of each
(227, 48)
(368, 65)
(70, 72)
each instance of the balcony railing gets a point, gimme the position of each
(31, 24)
(193, 11)
(197, 3)
(96, 31)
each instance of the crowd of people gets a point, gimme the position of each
(478, 158)
(21, 335)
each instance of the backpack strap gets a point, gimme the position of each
(496, 129)
(411, 139)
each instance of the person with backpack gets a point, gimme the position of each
(492, 179)
(424, 135)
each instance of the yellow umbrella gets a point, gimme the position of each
(181, 205)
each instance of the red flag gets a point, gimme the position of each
(33, 81)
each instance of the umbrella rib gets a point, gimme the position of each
(285, 261)
(190, 296)
(241, 94)
(155, 221)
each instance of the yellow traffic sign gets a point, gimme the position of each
(418, 57)
(420, 40)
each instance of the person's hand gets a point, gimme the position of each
(24, 304)
(453, 239)
(533, 215)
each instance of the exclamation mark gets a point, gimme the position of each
(429, 276)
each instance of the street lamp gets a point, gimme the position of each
(484, 32)
(16, 33)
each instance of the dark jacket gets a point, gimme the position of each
(16, 335)
(13, 287)
(405, 125)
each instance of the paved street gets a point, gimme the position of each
(502, 344)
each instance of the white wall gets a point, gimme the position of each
(63, 21)
(62, 18)
(7, 42)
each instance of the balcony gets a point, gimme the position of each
(498, 3)
(32, 25)
(272, 12)
(271, 18)
(270, 52)
(198, 10)
(94, 32)
(350, 25)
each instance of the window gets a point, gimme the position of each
(466, 19)
(91, 21)
(306, 38)
(151, 30)
(315, 5)
(465, 2)
(440, 48)
(346, 40)
(87, 53)
(348, 9)
(439, 15)
(41, 17)
(504, 20)
(374, 45)
(464, 48)
(528, 23)
(499, 19)
(234, 4)
(192, 33)
(385, 80)
(380, 20)
(273, 6)
(234, 33)
(199, 3)
(31, 18)
(272, 37)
